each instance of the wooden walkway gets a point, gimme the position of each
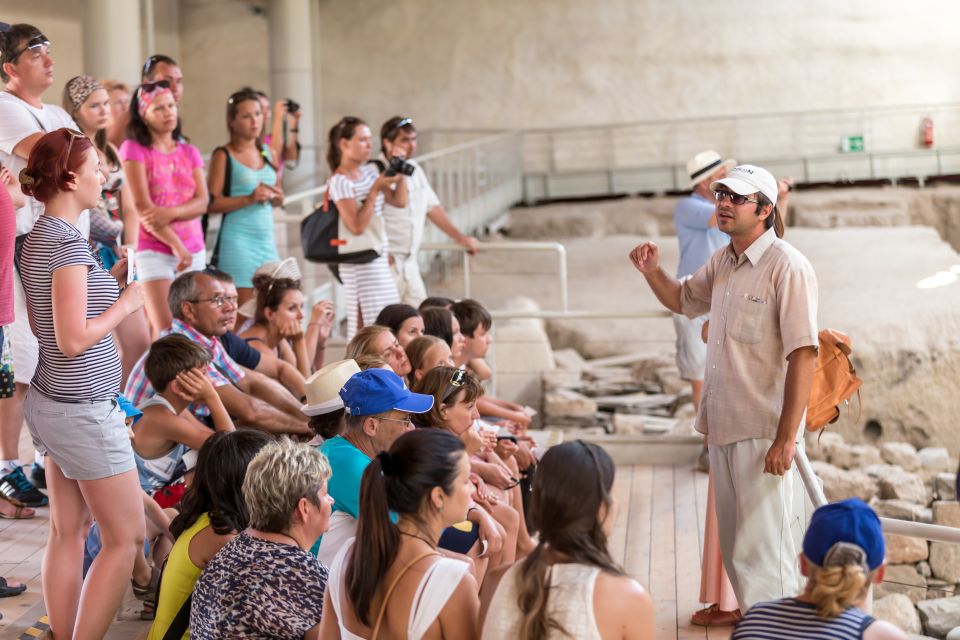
(658, 538)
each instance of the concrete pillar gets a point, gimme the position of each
(292, 76)
(112, 40)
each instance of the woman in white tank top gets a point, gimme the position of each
(569, 587)
(391, 581)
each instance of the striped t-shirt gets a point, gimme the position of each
(95, 374)
(790, 619)
(341, 187)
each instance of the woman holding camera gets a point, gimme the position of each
(360, 191)
(243, 182)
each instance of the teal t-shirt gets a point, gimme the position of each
(347, 464)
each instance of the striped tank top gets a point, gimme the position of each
(94, 375)
(790, 619)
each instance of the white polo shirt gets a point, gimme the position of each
(405, 225)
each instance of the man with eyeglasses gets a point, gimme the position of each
(160, 67)
(398, 138)
(26, 66)
(761, 294)
(202, 311)
(378, 406)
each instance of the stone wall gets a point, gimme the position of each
(503, 63)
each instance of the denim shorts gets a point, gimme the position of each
(87, 440)
(153, 265)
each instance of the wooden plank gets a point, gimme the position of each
(663, 584)
(688, 551)
(636, 561)
(622, 485)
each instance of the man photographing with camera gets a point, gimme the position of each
(398, 137)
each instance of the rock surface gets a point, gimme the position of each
(903, 510)
(902, 454)
(935, 459)
(898, 609)
(945, 486)
(855, 456)
(902, 578)
(904, 549)
(940, 616)
(839, 484)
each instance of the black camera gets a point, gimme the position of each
(292, 107)
(399, 165)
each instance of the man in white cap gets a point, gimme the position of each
(695, 221)
(761, 294)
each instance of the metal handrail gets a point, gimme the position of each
(554, 247)
(935, 532)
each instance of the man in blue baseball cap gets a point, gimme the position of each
(378, 405)
(843, 554)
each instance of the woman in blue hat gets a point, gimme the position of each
(843, 554)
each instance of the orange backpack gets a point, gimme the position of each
(834, 381)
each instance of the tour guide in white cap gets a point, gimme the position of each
(761, 294)
(379, 407)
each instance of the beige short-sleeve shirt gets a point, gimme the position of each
(762, 306)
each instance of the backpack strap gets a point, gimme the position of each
(393, 584)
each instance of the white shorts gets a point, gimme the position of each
(406, 273)
(691, 349)
(153, 265)
(23, 344)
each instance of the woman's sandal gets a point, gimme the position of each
(21, 511)
(712, 616)
(143, 592)
(7, 591)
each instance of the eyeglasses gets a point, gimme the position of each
(406, 422)
(400, 125)
(456, 381)
(72, 134)
(35, 43)
(735, 198)
(218, 301)
(150, 86)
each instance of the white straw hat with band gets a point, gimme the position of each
(323, 387)
(705, 164)
(276, 269)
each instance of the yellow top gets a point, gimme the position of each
(179, 578)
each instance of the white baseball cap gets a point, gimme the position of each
(746, 179)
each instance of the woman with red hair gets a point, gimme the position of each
(71, 408)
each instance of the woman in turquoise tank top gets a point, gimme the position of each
(243, 181)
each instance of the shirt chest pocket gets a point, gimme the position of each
(747, 322)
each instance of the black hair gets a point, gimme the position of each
(398, 480)
(435, 301)
(471, 315)
(343, 130)
(137, 128)
(573, 481)
(218, 480)
(151, 64)
(438, 321)
(246, 94)
(12, 40)
(394, 315)
(170, 356)
(390, 129)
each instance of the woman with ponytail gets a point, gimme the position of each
(569, 586)
(390, 581)
(843, 555)
(359, 190)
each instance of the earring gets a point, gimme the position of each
(440, 509)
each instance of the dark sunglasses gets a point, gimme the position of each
(153, 61)
(150, 86)
(400, 125)
(735, 198)
(35, 43)
(456, 381)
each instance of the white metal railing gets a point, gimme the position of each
(923, 530)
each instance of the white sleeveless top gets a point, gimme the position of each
(570, 603)
(432, 593)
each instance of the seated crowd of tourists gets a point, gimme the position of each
(196, 446)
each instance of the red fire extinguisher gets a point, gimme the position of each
(926, 132)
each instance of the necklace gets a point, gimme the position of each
(287, 535)
(432, 545)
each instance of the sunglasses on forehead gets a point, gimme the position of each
(456, 381)
(35, 43)
(400, 125)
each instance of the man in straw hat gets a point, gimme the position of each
(695, 221)
(761, 294)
